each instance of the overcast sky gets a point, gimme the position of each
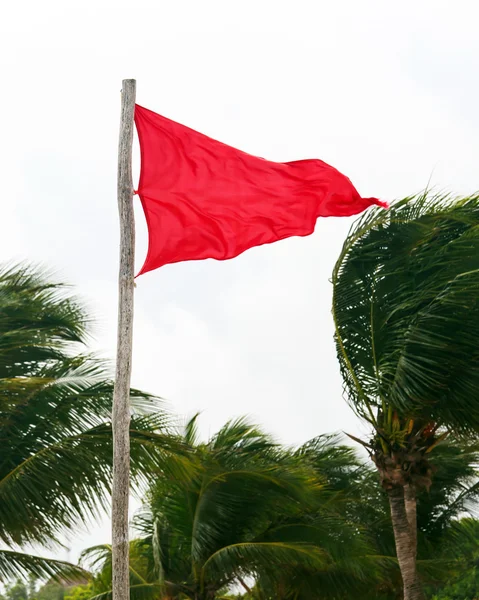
(386, 92)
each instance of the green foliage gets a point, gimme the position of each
(406, 310)
(441, 541)
(79, 592)
(460, 548)
(16, 591)
(55, 421)
(252, 510)
(406, 314)
(300, 524)
(52, 590)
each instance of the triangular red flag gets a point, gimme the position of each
(204, 199)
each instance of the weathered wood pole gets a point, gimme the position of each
(121, 394)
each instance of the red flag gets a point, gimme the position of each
(203, 199)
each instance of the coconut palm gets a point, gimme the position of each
(406, 313)
(355, 565)
(254, 517)
(55, 422)
(454, 492)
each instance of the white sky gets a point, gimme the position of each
(386, 92)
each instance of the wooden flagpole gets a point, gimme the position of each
(121, 394)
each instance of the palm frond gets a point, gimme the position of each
(191, 434)
(39, 321)
(15, 565)
(55, 415)
(249, 558)
(68, 481)
(406, 310)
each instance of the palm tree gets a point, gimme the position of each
(254, 517)
(454, 493)
(406, 313)
(55, 429)
(462, 582)
(355, 566)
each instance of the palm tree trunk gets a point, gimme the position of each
(411, 512)
(405, 544)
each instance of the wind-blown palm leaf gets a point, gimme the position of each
(334, 463)
(101, 557)
(253, 508)
(38, 321)
(70, 480)
(239, 442)
(266, 557)
(406, 314)
(406, 309)
(237, 481)
(354, 561)
(15, 565)
(191, 433)
(453, 494)
(55, 415)
(143, 583)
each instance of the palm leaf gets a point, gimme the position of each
(14, 565)
(55, 415)
(269, 557)
(406, 310)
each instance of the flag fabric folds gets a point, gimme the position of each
(204, 199)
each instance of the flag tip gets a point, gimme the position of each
(382, 203)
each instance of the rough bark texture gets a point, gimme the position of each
(121, 395)
(410, 504)
(405, 544)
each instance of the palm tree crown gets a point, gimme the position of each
(55, 430)
(406, 307)
(406, 313)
